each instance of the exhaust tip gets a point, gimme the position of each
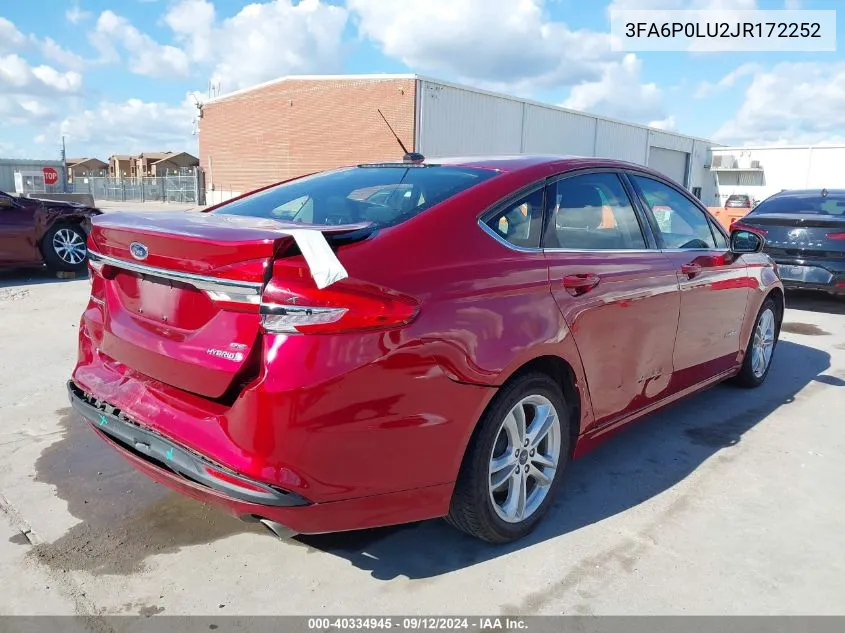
(278, 529)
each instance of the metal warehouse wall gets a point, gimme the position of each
(782, 168)
(301, 125)
(8, 167)
(454, 120)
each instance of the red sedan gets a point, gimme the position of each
(395, 342)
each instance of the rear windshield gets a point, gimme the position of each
(384, 195)
(737, 198)
(814, 204)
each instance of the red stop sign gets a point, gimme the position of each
(51, 176)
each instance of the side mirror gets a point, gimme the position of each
(743, 241)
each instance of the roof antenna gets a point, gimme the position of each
(410, 157)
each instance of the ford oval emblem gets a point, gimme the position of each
(138, 250)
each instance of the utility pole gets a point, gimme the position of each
(64, 166)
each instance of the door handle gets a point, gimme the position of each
(579, 284)
(691, 270)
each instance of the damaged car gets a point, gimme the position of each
(36, 232)
(320, 357)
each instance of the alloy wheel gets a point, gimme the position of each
(524, 459)
(69, 246)
(763, 344)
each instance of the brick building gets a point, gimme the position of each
(298, 125)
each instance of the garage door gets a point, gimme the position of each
(670, 163)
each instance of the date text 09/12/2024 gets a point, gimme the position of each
(417, 623)
(724, 29)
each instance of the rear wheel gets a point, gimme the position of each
(514, 463)
(761, 347)
(64, 248)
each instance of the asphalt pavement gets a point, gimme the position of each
(729, 503)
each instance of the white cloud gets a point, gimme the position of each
(679, 5)
(146, 56)
(245, 49)
(496, 43)
(11, 39)
(75, 14)
(23, 110)
(706, 88)
(619, 93)
(128, 127)
(31, 95)
(668, 123)
(51, 50)
(264, 40)
(792, 4)
(791, 103)
(18, 77)
(192, 21)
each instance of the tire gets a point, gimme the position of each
(73, 257)
(474, 509)
(766, 327)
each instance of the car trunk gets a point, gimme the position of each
(796, 233)
(181, 291)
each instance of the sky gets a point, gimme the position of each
(116, 77)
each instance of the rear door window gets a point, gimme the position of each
(592, 212)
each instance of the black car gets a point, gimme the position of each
(805, 235)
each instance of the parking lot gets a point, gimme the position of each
(730, 503)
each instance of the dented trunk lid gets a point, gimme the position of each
(180, 292)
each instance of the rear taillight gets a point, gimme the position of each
(95, 278)
(346, 306)
(836, 236)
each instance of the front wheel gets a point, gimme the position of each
(761, 347)
(64, 248)
(514, 463)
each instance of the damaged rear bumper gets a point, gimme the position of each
(186, 472)
(159, 451)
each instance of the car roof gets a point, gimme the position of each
(808, 192)
(519, 162)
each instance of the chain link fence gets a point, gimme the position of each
(186, 188)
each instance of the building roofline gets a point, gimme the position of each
(550, 106)
(278, 80)
(170, 157)
(80, 161)
(450, 84)
(739, 148)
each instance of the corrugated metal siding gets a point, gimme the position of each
(8, 167)
(454, 121)
(729, 179)
(670, 163)
(620, 141)
(670, 141)
(552, 131)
